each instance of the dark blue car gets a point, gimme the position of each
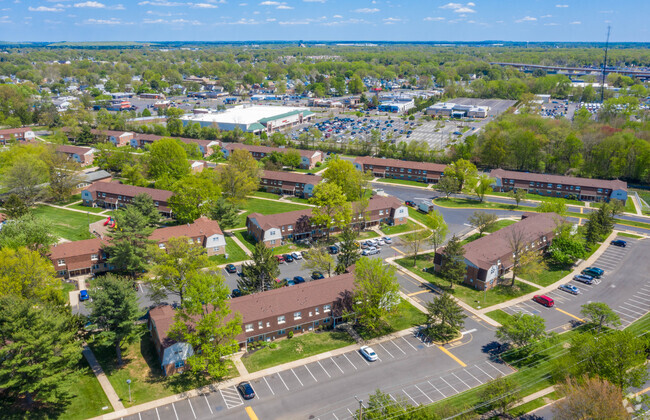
(619, 242)
(298, 280)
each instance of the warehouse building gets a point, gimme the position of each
(453, 110)
(253, 119)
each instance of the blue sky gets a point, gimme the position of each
(240, 20)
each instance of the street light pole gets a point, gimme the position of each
(128, 381)
(360, 407)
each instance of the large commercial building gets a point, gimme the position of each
(401, 169)
(449, 109)
(491, 256)
(585, 189)
(253, 119)
(308, 158)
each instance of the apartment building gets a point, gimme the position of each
(273, 230)
(289, 183)
(71, 259)
(113, 195)
(401, 169)
(23, 134)
(584, 189)
(82, 155)
(118, 138)
(207, 147)
(202, 231)
(308, 158)
(266, 316)
(491, 257)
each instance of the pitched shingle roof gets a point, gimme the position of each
(267, 150)
(65, 148)
(291, 177)
(406, 164)
(76, 248)
(559, 179)
(202, 226)
(129, 190)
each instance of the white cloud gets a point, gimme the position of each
(161, 3)
(562, 5)
(204, 6)
(111, 21)
(551, 24)
(392, 21)
(270, 3)
(346, 22)
(314, 1)
(526, 19)
(271, 20)
(576, 22)
(545, 16)
(433, 19)
(337, 17)
(278, 5)
(284, 7)
(366, 10)
(45, 9)
(91, 4)
(5, 19)
(243, 4)
(460, 8)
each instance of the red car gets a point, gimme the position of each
(410, 203)
(544, 300)
(280, 258)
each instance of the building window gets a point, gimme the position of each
(311, 313)
(161, 246)
(61, 262)
(327, 308)
(281, 319)
(297, 328)
(249, 327)
(268, 324)
(317, 310)
(260, 324)
(179, 364)
(281, 332)
(93, 257)
(297, 315)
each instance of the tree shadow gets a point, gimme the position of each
(495, 349)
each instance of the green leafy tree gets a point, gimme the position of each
(175, 265)
(114, 309)
(193, 196)
(332, 209)
(292, 158)
(600, 314)
(145, 205)
(206, 322)
(240, 177)
(25, 178)
(168, 157)
(448, 185)
(224, 212)
(453, 266)
(128, 249)
(349, 253)
(482, 186)
(482, 221)
(382, 406)
(501, 394)
(341, 172)
(439, 229)
(320, 260)
(522, 329)
(39, 350)
(518, 195)
(566, 247)
(601, 222)
(589, 398)
(28, 275)
(550, 205)
(30, 232)
(376, 293)
(414, 241)
(525, 262)
(15, 207)
(64, 175)
(463, 171)
(259, 274)
(445, 318)
(134, 175)
(85, 136)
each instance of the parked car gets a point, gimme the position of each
(280, 258)
(364, 245)
(231, 268)
(387, 239)
(410, 203)
(619, 242)
(235, 293)
(380, 242)
(370, 251)
(544, 300)
(368, 353)
(317, 275)
(594, 272)
(299, 279)
(288, 258)
(83, 295)
(246, 390)
(296, 256)
(569, 288)
(334, 249)
(582, 278)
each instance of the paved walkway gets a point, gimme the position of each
(637, 205)
(282, 200)
(240, 244)
(103, 380)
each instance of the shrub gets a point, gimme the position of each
(273, 345)
(290, 334)
(319, 164)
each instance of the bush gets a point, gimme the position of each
(290, 334)
(319, 164)
(273, 345)
(412, 118)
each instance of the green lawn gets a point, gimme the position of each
(298, 347)
(67, 288)
(629, 206)
(537, 197)
(475, 298)
(88, 397)
(264, 194)
(535, 404)
(72, 199)
(298, 200)
(466, 202)
(499, 316)
(70, 225)
(405, 316)
(254, 205)
(629, 235)
(234, 251)
(403, 182)
(368, 234)
(498, 225)
(406, 227)
(549, 276)
(322, 166)
(249, 242)
(85, 208)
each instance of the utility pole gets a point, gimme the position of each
(602, 88)
(360, 407)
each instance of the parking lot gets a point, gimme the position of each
(625, 287)
(408, 369)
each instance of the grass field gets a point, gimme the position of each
(499, 316)
(498, 225)
(264, 194)
(465, 202)
(403, 182)
(549, 276)
(629, 235)
(254, 205)
(629, 206)
(85, 208)
(249, 242)
(404, 317)
(406, 227)
(88, 397)
(298, 347)
(475, 298)
(235, 253)
(70, 225)
(537, 197)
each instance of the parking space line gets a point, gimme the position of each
(477, 380)
(448, 353)
(267, 384)
(630, 310)
(157, 414)
(497, 369)
(312, 375)
(322, 367)
(417, 293)
(571, 315)
(433, 386)
(487, 374)
(335, 416)
(634, 306)
(398, 347)
(464, 383)
(140, 416)
(285, 384)
(346, 358)
(363, 358)
(175, 413)
(414, 402)
(188, 400)
(644, 294)
(208, 403)
(449, 385)
(639, 297)
(428, 398)
(625, 314)
(633, 299)
(412, 346)
(386, 351)
(337, 365)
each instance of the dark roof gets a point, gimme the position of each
(406, 164)
(96, 175)
(200, 227)
(113, 133)
(65, 148)
(129, 190)
(267, 150)
(291, 177)
(154, 137)
(559, 179)
(76, 248)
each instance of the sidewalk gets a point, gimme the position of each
(239, 243)
(103, 380)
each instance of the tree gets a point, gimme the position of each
(501, 394)
(414, 241)
(482, 221)
(353, 182)
(240, 177)
(128, 248)
(174, 267)
(589, 398)
(549, 205)
(518, 195)
(25, 178)
(445, 317)
(65, 176)
(482, 186)
(15, 207)
(145, 206)
(26, 274)
(259, 274)
(522, 329)
(376, 293)
(453, 266)
(168, 157)
(349, 253)
(114, 309)
(39, 350)
(33, 233)
(320, 260)
(85, 136)
(134, 175)
(439, 229)
(524, 261)
(224, 212)
(448, 186)
(382, 406)
(601, 222)
(206, 324)
(193, 196)
(566, 247)
(292, 158)
(600, 314)
(462, 171)
(332, 209)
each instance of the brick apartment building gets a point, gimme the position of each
(401, 169)
(584, 189)
(89, 178)
(118, 138)
(266, 316)
(289, 183)
(491, 256)
(82, 155)
(202, 231)
(113, 195)
(274, 229)
(308, 158)
(24, 134)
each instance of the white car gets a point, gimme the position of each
(368, 353)
(370, 251)
(387, 240)
(380, 242)
(296, 255)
